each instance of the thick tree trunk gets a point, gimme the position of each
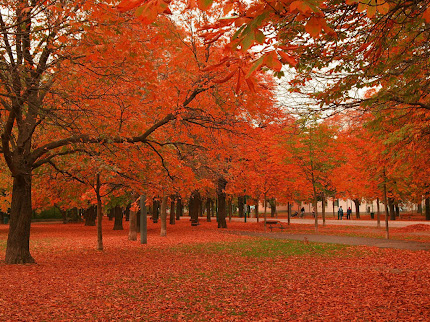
(257, 213)
(240, 205)
(357, 208)
(132, 232)
(208, 209)
(230, 210)
(155, 210)
(222, 183)
(288, 210)
(172, 210)
(118, 218)
(272, 203)
(391, 206)
(427, 203)
(110, 214)
(90, 215)
(127, 212)
(419, 208)
(194, 206)
(397, 209)
(178, 208)
(163, 217)
(200, 205)
(18, 242)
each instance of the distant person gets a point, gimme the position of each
(348, 213)
(340, 213)
(302, 212)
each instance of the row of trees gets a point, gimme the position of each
(100, 105)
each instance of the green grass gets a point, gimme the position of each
(264, 248)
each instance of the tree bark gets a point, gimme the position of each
(172, 210)
(163, 217)
(323, 208)
(391, 205)
(90, 215)
(378, 215)
(257, 213)
(357, 208)
(222, 183)
(208, 209)
(18, 242)
(289, 212)
(272, 203)
(155, 210)
(240, 205)
(229, 207)
(132, 231)
(178, 208)
(99, 215)
(427, 203)
(118, 218)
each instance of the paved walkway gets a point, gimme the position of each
(345, 240)
(331, 221)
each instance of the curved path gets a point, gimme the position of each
(352, 222)
(345, 240)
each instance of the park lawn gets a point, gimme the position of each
(202, 273)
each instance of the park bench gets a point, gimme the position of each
(275, 224)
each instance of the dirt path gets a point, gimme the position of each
(345, 240)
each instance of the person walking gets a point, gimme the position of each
(348, 213)
(302, 212)
(340, 213)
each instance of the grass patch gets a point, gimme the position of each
(264, 248)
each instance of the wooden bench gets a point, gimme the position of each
(275, 224)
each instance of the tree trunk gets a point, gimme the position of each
(178, 208)
(240, 205)
(257, 213)
(18, 241)
(90, 215)
(272, 203)
(334, 213)
(99, 215)
(378, 215)
(118, 218)
(200, 205)
(357, 208)
(127, 212)
(387, 232)
(172, 210)
(427, 203)
(110, 214)
(163, 217)
(132, 231)
(230, 211)
(323, 208)
(419, 208)
(397, 209)
(193, 208)
(289, 212)
(222, 183)
(208, 209)
(391, 205)
(155, 210)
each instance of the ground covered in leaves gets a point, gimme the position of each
(201, 274)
